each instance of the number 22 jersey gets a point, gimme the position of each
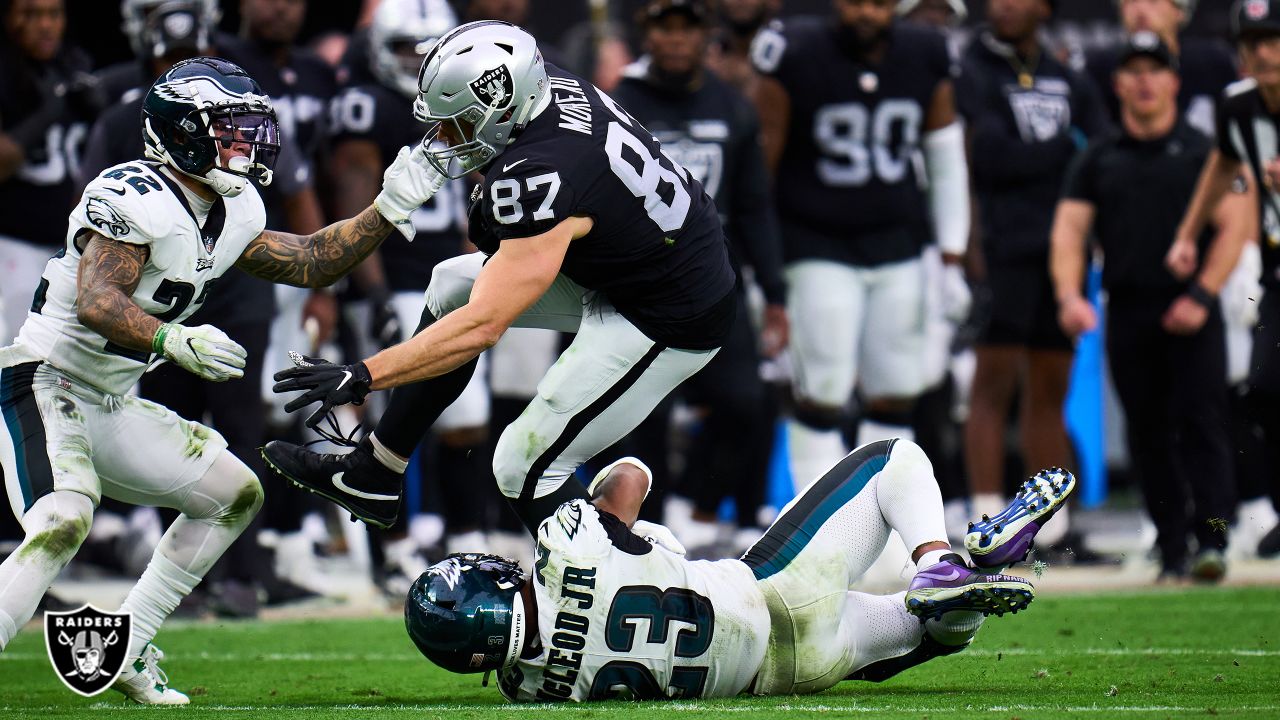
(138, 204)
(621, 618)
(657, 251)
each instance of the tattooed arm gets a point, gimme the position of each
(317, 259)
(109, 273)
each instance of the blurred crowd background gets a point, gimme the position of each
(342, 73)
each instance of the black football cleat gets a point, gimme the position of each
(356, 481)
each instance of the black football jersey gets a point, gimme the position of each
(1205, 67)
(1247, 132)
(847, 186)
(713, 132)
(385, 117)
(300, 90)
(656, 251)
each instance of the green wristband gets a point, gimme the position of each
(157, 341)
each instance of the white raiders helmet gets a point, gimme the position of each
(402, 33)
(135, 12)
(486, 80)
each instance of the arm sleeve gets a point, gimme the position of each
(752, 218)
(948, 187)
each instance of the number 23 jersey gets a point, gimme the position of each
(138, 204)
(621, 618)
(656, 251)
(847, 184)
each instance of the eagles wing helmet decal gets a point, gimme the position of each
(494, 87)
(204, 92)
(104, 217)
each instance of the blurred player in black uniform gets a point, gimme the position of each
(243, 307)
(708, 127)
(585, 224)
(372, 121)
(129, 79)
(848, 105)
(730, 52)
(1165, 336)
(47, 101)
(1027, 116)
(1247, 131)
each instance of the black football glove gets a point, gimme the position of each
(324, 382)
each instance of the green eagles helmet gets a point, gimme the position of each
(465, 613)
(201, 104)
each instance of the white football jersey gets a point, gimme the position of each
(135, 203)
(618, 617)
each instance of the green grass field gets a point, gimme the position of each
(1178, 653)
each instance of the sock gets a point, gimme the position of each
(8, 628)
(812, 452)
(954, 628)
(909, 497)
(870, 431)
(933, 557)
(154, 598)
(388, 459)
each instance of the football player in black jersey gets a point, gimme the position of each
(47, 100)
(585, 225)
(712, 131)
(165, 37)
(847, 105)
(1248, 136)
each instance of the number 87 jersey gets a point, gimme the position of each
(621, 618)
(656, 251)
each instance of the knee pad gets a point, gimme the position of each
(57, 524)
(820, 418)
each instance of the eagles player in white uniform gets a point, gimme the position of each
(613, 610)
(145, 245)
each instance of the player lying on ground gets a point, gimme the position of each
(614, 610)
(145, 246)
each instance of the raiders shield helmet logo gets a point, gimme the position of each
(87, 647)
(493, 87)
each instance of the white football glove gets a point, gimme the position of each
(409, 181)
(956, 296)
(659, 535)
(204, 350)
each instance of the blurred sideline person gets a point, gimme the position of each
(782, 620)
(1246, 138)
(1027, 115)
(854, 216)
(711, 130)
(153, 236)
(1165, 336)
(47, 100)
(164, 37)
(371, 122)
(729, 55)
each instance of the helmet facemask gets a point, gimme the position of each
(452, 145)
(193, 145)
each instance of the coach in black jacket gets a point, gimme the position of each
(1165, 337)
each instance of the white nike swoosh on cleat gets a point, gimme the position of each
(338, 483)
(505, 168)
(944, 578)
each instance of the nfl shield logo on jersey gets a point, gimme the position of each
(87, 647)
(493, 87)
